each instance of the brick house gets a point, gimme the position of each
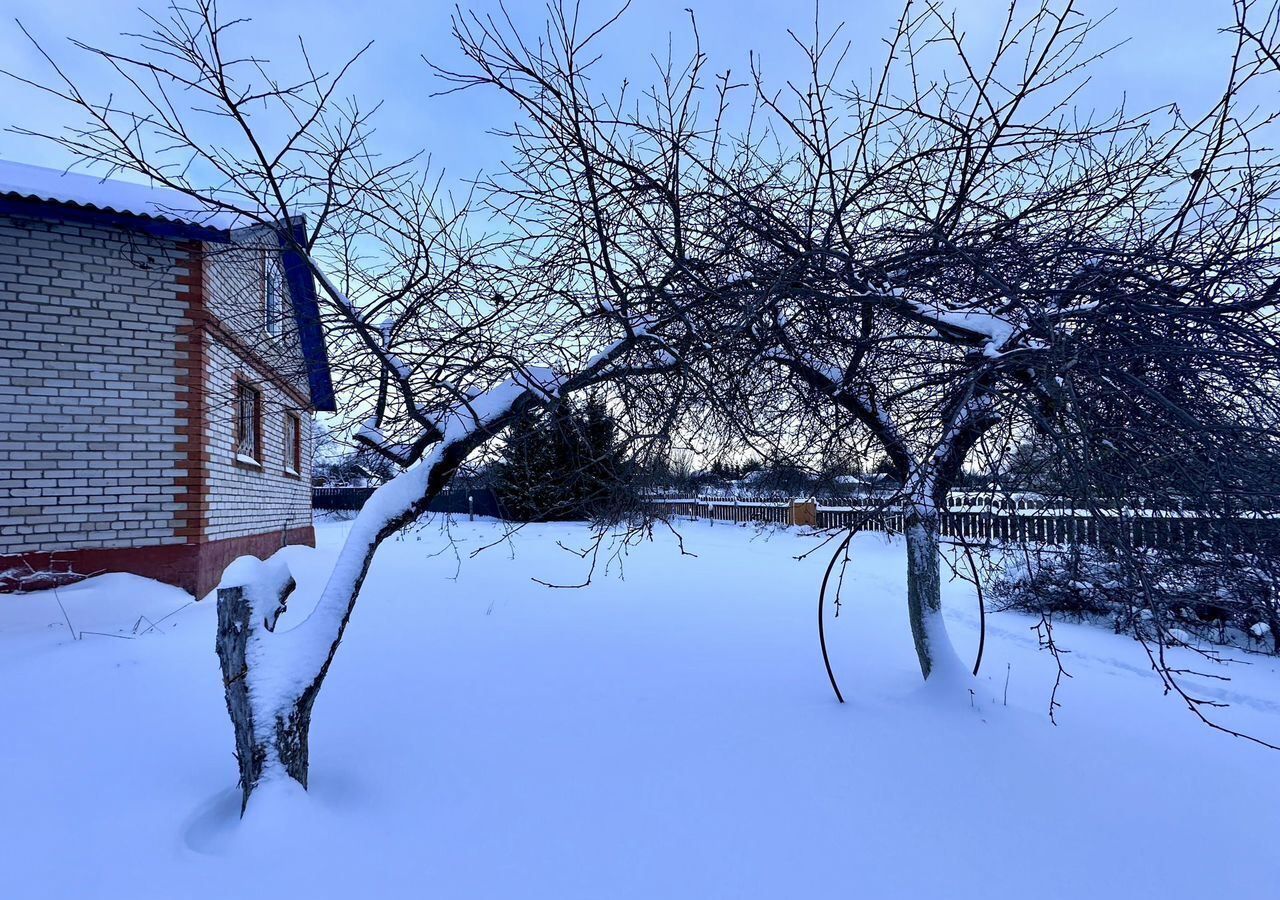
(159, 368)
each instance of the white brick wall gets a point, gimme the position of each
(234, 295)
(89, 344)
(246, 499)
(92, 345)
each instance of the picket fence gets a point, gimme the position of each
(1160, 529)
(984, 523)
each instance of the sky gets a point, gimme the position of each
(1174, 53)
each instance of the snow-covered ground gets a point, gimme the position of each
(668, 734)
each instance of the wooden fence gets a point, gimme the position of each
(741, 512)
(1158, 529)
(729, 511)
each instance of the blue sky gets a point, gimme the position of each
(1173, 54)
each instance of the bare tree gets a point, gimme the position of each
(441, 336)
(929, 267)
(953, 263)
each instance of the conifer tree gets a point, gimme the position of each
(561, 464)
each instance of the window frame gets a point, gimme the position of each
(293, 448)
(254, 460)
(273, 274)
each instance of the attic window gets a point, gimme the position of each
(272, 294)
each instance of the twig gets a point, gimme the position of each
(822, 599)
(67, 618)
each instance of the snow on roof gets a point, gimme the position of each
(108, 195)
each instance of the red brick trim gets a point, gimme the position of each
(195, 568)
(194, 483)
(215, 556)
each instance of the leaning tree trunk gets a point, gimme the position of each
(272, 678)
(924, 590)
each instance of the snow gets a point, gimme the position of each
(331, 289)
(667, 734)
(996, 330)
(402, 369)
(386, 330)
(110, 195)
(541, 381)
(369, 431)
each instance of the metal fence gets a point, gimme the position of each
(456, 501)
(340, 497)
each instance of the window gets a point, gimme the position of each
(272, 294)
(248, 422)
(292, 444)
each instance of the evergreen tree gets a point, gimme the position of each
(561, 464)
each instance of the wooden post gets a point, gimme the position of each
(804, 513)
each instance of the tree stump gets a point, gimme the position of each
(259, 745)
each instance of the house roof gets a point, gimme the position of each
(39, 191)
(122, 198)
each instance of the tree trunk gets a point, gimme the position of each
(261, 746)
(924, 590)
